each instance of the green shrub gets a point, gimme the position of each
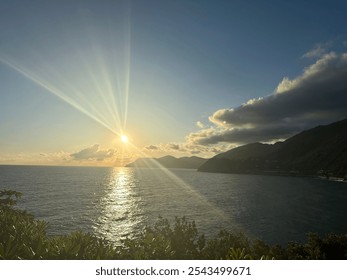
(331, 247)
(6, 198)
(81, 246)
(21, 236)
(163, 242)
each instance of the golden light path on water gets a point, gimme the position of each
(134, 198)
(122, 213)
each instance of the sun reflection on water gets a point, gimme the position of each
(120, 208)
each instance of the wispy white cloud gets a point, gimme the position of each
(318, 50)
(55, 158)
(200, 124)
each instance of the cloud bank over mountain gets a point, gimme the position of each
(317, 96)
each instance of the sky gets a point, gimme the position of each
(185, 78)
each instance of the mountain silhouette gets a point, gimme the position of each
(318, 151)
(168, 162)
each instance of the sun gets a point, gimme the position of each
(124, 138)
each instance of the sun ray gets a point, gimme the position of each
(98, 86)
(107, 97)
(183, 185)
(127, 63)
(55, 91)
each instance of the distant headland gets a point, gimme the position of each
(320, 151)
(168, 162)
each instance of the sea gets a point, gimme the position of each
(118, 203)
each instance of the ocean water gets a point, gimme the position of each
(115, 203)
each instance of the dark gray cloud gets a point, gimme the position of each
(93, 153)
(318, 96)
(243, 135)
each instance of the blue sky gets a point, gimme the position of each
(172, 75)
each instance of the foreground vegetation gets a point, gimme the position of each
(24, 237)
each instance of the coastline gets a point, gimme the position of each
(284, 174)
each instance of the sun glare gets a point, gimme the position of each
(124, 138)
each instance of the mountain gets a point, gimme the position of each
(318, 151)
(168, 162)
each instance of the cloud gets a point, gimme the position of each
(165, 147)
(317, 96)
(200, 124)
(189, 148)
(194, 148)
(172, 146)
(318, 51)
(152, 147)
(56, 158)
(93, 153)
